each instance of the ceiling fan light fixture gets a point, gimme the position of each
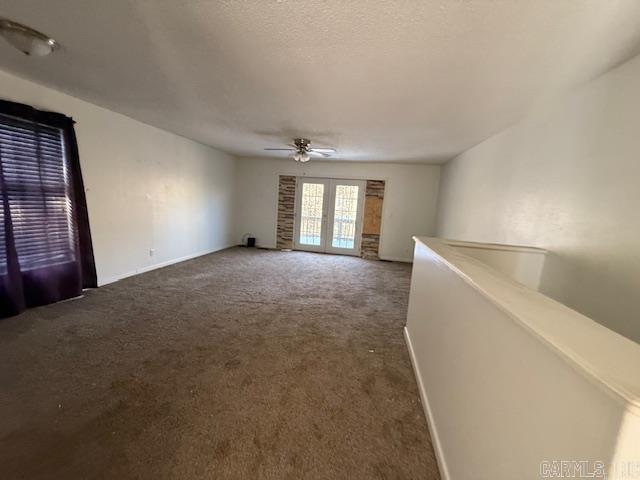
(27, 40)
(301, 157)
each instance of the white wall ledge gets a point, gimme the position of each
(608, 360)
(491, 246)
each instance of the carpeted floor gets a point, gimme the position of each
(243, 364)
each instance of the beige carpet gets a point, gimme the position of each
(243, 364)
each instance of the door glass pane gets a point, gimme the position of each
(311, 213)
(344, 219)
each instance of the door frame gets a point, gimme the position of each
(328, 213)
(357, 239)
(298, 208)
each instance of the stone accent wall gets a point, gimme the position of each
(286, 207)
(375, 188)
(374, 196)
(369, 246)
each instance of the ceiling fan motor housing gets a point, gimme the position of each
(302, 143)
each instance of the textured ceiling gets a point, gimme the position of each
(384, 80)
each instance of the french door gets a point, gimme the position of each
(329, 215)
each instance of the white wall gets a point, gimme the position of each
(522, 264)
(565, 179)
(408, 208)
(146, 188)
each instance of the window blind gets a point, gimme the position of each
(36, 176)
(3, 243)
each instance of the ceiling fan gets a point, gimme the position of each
(303, 151)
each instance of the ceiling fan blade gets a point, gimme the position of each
(323, 150)
(281, 149)
(320, 154)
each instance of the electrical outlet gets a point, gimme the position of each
(152, 251)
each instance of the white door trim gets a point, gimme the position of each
(328, 212)
(361, 184)
(298, 209)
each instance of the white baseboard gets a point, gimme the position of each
(435, 440)
(155, 266)
(397, 259)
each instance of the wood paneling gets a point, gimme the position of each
(372, 215)
(374, 196)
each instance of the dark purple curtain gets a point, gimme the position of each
(45, 242)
